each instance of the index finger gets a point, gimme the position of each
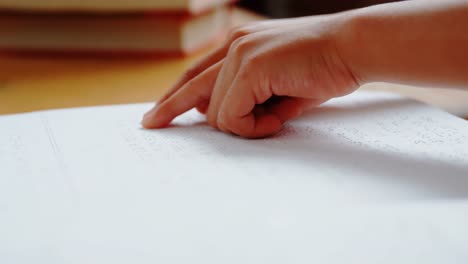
(208, 61)
(193, 93)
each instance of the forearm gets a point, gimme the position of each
(420, 42)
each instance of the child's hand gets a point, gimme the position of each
(264, 75)
(269, 72)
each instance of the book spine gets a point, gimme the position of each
(65, 12)
(109, 54)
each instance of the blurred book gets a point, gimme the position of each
(125, 6)
(133, 34)
(107, 27)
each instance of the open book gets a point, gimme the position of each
(367, 178)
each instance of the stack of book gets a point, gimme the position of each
(140, 27)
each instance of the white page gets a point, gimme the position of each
(364, 179)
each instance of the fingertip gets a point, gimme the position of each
(148, 116)
(267, 125)
(155, 119)
(288, 108)
(254, 127)
(203, 107)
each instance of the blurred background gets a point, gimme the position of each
(292, 8)
(115, 53)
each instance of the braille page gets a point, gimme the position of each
(367, 178)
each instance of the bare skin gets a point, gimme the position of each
(269, 72)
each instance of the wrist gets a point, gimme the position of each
(354, 46)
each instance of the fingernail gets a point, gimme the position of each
(148, 117)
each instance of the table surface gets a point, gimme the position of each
(40, 83)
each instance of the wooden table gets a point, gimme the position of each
(35, 83)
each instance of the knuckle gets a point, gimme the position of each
(254, 61)
(241, 46)
(239, 31)
(251, 65)
(244, 74)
